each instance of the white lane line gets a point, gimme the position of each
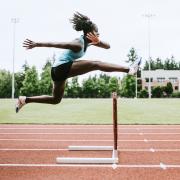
(163, 166)
(121, 150)
(114, 166)
(15, 149)
(65, 128)
(163, 133)
(68, 140)
(65, 149)
(152, 150)
(52, 133)
(90, 140)
(92, 165)
(145, 140)
(66, 133)
(89, 127)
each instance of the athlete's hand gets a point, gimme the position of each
(28, 44)
(93, 38)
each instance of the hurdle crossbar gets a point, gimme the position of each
(113, 160)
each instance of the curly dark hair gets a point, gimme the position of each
(83, 23)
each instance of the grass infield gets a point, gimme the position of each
(94, 111)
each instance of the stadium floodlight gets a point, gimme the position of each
(149, 16)
(14, 21)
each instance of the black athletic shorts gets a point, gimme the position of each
(61, 72)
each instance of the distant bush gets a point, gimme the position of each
(143, 93)
(175, 95)
(157, 92)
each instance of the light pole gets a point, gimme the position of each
(136, 85)
(149, 16)
(14, 21)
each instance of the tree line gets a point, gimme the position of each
(29, 83)
(158, 63)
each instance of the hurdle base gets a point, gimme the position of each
(90, 148)
(73, 160)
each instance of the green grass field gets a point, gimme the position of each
(94, 111)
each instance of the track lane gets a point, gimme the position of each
(123, 172)
(88, 173)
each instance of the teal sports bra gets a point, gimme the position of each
(69, 56)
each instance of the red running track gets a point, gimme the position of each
(145, 152)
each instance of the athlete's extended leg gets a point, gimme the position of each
(85, 66)
(58, 91)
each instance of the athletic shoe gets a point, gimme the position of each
(134, 66)
(20, 103)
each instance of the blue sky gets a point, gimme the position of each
(120, 23)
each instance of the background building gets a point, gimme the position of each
(161, 77)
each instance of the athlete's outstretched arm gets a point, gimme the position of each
(74, 45)
(96, 41)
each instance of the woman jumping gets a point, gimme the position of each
(66, 66)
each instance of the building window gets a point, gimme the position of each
(139, 81)
(176, 88)
(160, 79)
(173, 79)
(147, 79)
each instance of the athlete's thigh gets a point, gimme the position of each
(82, 67)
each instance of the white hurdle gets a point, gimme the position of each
(113, 160)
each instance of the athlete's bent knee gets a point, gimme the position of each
(56, 100)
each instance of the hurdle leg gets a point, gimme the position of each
(115, 129)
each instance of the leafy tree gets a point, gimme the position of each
(157, 92)
(128, 86)
(159, 64)
(173, 64)
(175, 95)
(74, 89)
(114, 85)
(19, 78)
(105, 77)
(153, 65)
(169, 64)
(102, 87)
(146, 66)
(45, 84)
(168, 89)
(30, 83)
(89, 87)
(5, 84)
(25, 66)
(132, 55)
(143, 93)
(66, 89)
